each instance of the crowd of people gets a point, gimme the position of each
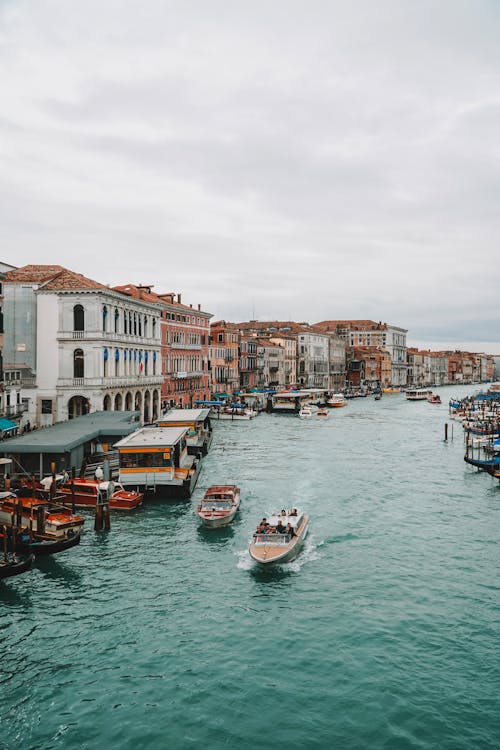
(282, 526)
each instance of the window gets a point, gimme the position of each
(125, 321)
(117, 314)
(78, 363)
(104, 316)
(46, 406)
(78, 318)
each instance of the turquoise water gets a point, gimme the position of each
(384, 633)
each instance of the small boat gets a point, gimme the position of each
(391, 390)
(305, 412)
(88, 491)
(336, 401)
(418, 394)
(434, 398)
(219, 505)
(280, 539)
(15, 565)
(35, 527)
(323, 413)
(377, 396)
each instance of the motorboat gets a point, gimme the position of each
(336, 401)
(434, 398)
(323, 413)
(305, 412)
(418, 394)
(90, 492)
(280, 538)
(219, 505)
(13, 565)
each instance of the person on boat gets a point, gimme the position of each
(99, 474)
(290, 530)
(280, 529)
(293, 512)
(65, 477)
(283, 513)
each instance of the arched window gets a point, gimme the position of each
(145, 326)
(154, 327)
(104, 316)
(78, 318)
(117, 314)
(78, 363)
(135, 324)
(117, 362)
(106, 356)
(140, 324)
(125, 321)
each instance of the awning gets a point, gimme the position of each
(6, 425)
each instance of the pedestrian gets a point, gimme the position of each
(99, 474)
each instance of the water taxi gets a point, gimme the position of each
(219, 505)
(391, 390)
(155, 461)
(323, 413)
(87, 493)
(233, 413)
(434, 398)
(418, 394)
(197, 422)
(280, 538)
(336, 400)
(305, 412)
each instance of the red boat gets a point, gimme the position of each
(219, 505)
(87, 492)
(35, 514)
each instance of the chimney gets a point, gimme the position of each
(191, 306)
(179, 298)
(199, 306)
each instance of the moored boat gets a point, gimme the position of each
(14, 565)
(36, 515)
(219, 505)
(279, 539)
(88, 491)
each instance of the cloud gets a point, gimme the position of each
(307, 160)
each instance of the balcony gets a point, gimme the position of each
(16, 409)
(177, 345)
(110, 338)
(119, 382)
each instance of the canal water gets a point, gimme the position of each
(384, 633)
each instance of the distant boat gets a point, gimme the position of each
(219, 505)
(418, 394)
(391, 390)
(377, 396)
(434, 398)
(336, 400)
(269, 546)
(323, 413)
(305, 412)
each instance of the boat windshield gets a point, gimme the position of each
(275, 539)
(216, 505)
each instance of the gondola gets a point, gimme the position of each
(15, 566)
(39, 545)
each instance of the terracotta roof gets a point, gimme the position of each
(52, 278)
(34, 274)
(351, 324)
(144, 293)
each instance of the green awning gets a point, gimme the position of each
(6, 425)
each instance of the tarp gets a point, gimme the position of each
(6, 424)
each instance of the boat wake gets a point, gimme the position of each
(245, 562)
(310, 553)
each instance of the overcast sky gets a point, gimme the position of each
(270, 159)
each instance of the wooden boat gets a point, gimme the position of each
(43, 544)
(269, 546)
(323, 413)
(233, 413)
(14, 565)
(219, 505)
(391, 390)
(88, 491)
(42, 523)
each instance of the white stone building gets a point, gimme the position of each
(313, 357)
(79, 346)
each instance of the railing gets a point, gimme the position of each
(178, 345)
(272, 538)
(14, 409)
(128, 381)
(110, 337)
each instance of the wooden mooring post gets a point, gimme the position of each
(445, 432)
(101, 519)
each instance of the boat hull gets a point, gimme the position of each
(267, 555)
(40, 546)
(13, 568)
(216, 522)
